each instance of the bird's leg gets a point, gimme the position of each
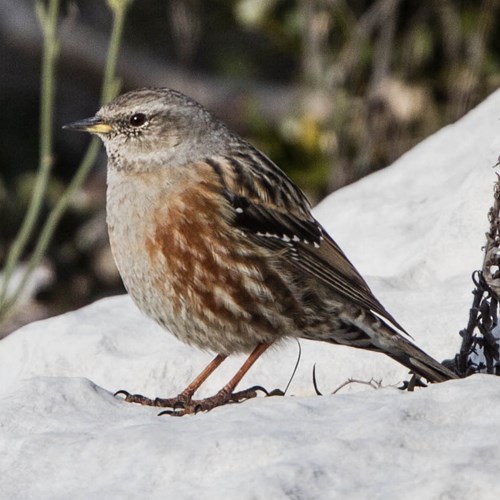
(226, 394)
(184, 397)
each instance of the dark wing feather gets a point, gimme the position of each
(275, 214)
(309, 248)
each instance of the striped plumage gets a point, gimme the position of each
(217, 244)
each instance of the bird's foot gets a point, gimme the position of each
(183, 404)
(178, 402)
(223, 397)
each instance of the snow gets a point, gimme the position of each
(72, 439)
(415, 231)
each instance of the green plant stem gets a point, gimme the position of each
(48, 20)
(111, 86)
(54, 217)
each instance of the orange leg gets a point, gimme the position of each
(226, 394)
(254, 356)
(196, 383)
(183, 404)
(184, 397)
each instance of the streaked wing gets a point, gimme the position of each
(309, 249)
(275, 214)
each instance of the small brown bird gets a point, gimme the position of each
(215, 243)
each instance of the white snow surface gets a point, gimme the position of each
(415, 231)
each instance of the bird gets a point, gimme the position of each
(215, 243)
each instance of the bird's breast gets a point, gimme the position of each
(186, 267)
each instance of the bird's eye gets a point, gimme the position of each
(137, 119)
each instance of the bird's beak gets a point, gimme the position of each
(94, 125)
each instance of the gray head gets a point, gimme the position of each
(155, 127)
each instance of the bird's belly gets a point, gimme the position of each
(189, 272)
(205, 306)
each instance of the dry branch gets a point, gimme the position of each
(483, 315)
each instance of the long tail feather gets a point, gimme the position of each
(370, 332)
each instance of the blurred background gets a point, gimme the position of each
(331, 90)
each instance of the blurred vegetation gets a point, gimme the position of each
(332, 90)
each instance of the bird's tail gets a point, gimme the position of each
(376, 334)
(420, 362)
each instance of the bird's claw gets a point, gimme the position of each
(174, 403)
(184, 405)
(122, 392)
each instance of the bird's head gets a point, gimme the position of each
(151, 128)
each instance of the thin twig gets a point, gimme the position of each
(374, 384)
(299, 355)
